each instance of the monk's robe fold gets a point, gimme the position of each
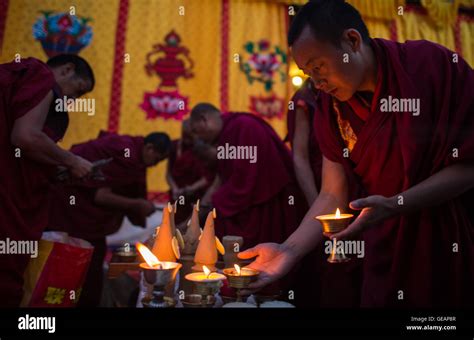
(24, 183)
(305, 98)
(186, 169)
(259, 201)
(426, 256)
(125, 175)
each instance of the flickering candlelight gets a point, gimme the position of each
(240, 277)
(334, 223)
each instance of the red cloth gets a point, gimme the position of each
(412, 253)
(186, 169)
(306, 98)
(24, 182)
(253, 199)
(125, 175)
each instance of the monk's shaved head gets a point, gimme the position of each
(330, 43)
(206, 122)
(327, 20)
(203, 109)
(156, 147)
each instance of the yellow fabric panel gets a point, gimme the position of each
(18, 38)
(253, 21)
(413, 26)
(378, 28)
(148, 23)
(443, 13)
(34, 269)
(377, 9)
(467, 39)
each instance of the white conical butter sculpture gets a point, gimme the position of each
(206, 253)
(193, 232)
(166, 246)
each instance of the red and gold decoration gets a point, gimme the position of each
(164, 62)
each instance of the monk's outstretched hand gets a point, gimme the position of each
(375, 209)
(273, 262)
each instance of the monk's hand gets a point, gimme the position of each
(80, 167)
(375, 209)
(273, 262)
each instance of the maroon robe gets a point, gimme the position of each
(253, 199)
(24, 197)
(186, 169)
(125, 175)
(305, 98)
(325, 284)
(413, 253)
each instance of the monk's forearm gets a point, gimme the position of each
(309, 233)
(38, 146)
(198, 184)
(443, 186)
(305, 178)
(171, 182)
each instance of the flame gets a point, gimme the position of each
(214, 214)
(170, 209)
(338, 213)
(197, 205)
(237, 269)
(206, 270)
(149, 257)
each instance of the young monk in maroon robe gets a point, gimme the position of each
(307, 157)
(325, 284)
(186, 174)
(99, 206)
(415, 161)
(257, 196)
(29, 129)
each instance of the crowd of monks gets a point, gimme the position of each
(408, 178)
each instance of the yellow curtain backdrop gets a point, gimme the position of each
(148, 23)
(252, 21)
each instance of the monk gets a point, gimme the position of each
(325, 284)
(255, 192)
(187, 175)
(307, 157)
(100, 205)
(30, 126)
(414, 158)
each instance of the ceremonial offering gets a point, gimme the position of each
(209, 245)
(168, 239)
(333, 224)
(206, 282)
(159, 274)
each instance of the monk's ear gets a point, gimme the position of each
(353, 38)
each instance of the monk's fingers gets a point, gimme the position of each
(351, 231)
(263, 280)
(248, 254)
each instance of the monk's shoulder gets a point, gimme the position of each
(422, 56)
(246, 121)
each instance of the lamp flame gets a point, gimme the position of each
(148, 256)
(338, 213)
(237, 269)
(197, 205)
(206, 270)
(214, 214)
